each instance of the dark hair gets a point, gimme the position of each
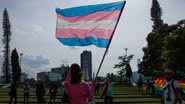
(75, 74)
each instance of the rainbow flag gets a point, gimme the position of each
(159, 83)
(88, 25)
(182, 85)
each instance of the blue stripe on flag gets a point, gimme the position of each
(85, 10)
(99, 42)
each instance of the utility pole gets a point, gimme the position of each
(126, 51)
(20, 59)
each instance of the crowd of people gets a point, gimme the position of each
(77, 91)
(172, 93)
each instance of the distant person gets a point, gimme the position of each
(40, 91)
(108, 92)
(78, 92)
(148, 87)
(13, 93)
(26, 92)
(97, 87)
(171, 89)
(140, 85)
(53, 91)
(153, 87)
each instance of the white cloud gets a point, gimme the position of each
(31, 65)
(38, 28)
(35, 62)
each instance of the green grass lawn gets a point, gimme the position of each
(128, 95)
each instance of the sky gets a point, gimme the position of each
(33, 25)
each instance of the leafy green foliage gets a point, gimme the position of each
(156, 13)
(16, 69)
(128, 71)
(124, 66)
(153, 61)
(174, 48)
(6, 40)
(161, 50)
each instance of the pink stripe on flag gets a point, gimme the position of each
(98, 16)
(79, 33)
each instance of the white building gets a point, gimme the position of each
(1, 79)
(54, 76)
(24, 76)
(86, 65)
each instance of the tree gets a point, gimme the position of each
(156, 13)
(174, 48)
(110, 76)
(6, 42)
(128, 72)
(16, 69)
(152, 60)
(123, 65)
(32, 82)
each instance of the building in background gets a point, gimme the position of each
(58, 74)
(1, 79)
(24, 77)
(42, 76)
(63, 70)
(86, 65)
(54, 76)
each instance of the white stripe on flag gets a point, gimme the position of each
(86, 25)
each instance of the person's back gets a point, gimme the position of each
(42, 89)
(78, 93)
(52, 88)
(169, 91)
(13, 88)
(109, 90)
(13, 93)
(38, 88)
(171, 88)
(140, 83)
(26, 88)
(55, 89)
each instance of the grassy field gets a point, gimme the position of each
(122, 95)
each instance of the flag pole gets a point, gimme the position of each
(110, 40)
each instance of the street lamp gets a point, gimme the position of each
(126, 55)
(21, 54)
(126, 50)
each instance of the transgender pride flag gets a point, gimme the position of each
(87, 25)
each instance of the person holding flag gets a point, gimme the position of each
(78, 91)
(84, 26)
(89, 25)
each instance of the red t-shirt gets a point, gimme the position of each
(78, 93)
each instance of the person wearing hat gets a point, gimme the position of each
(170, 88)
